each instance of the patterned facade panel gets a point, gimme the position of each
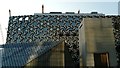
(116, 30)
(30, 28)
(44, 27)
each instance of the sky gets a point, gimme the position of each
(29, 7)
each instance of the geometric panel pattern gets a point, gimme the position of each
(44, 27)
(116, 30)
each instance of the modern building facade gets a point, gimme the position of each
(97, 43)
(38, 27)
(58, 26)
(54, 25)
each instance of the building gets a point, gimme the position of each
(97, 42)
(57, 26)
(42, 27)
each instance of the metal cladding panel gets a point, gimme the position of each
(22, 53)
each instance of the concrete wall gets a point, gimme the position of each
(96, 36)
